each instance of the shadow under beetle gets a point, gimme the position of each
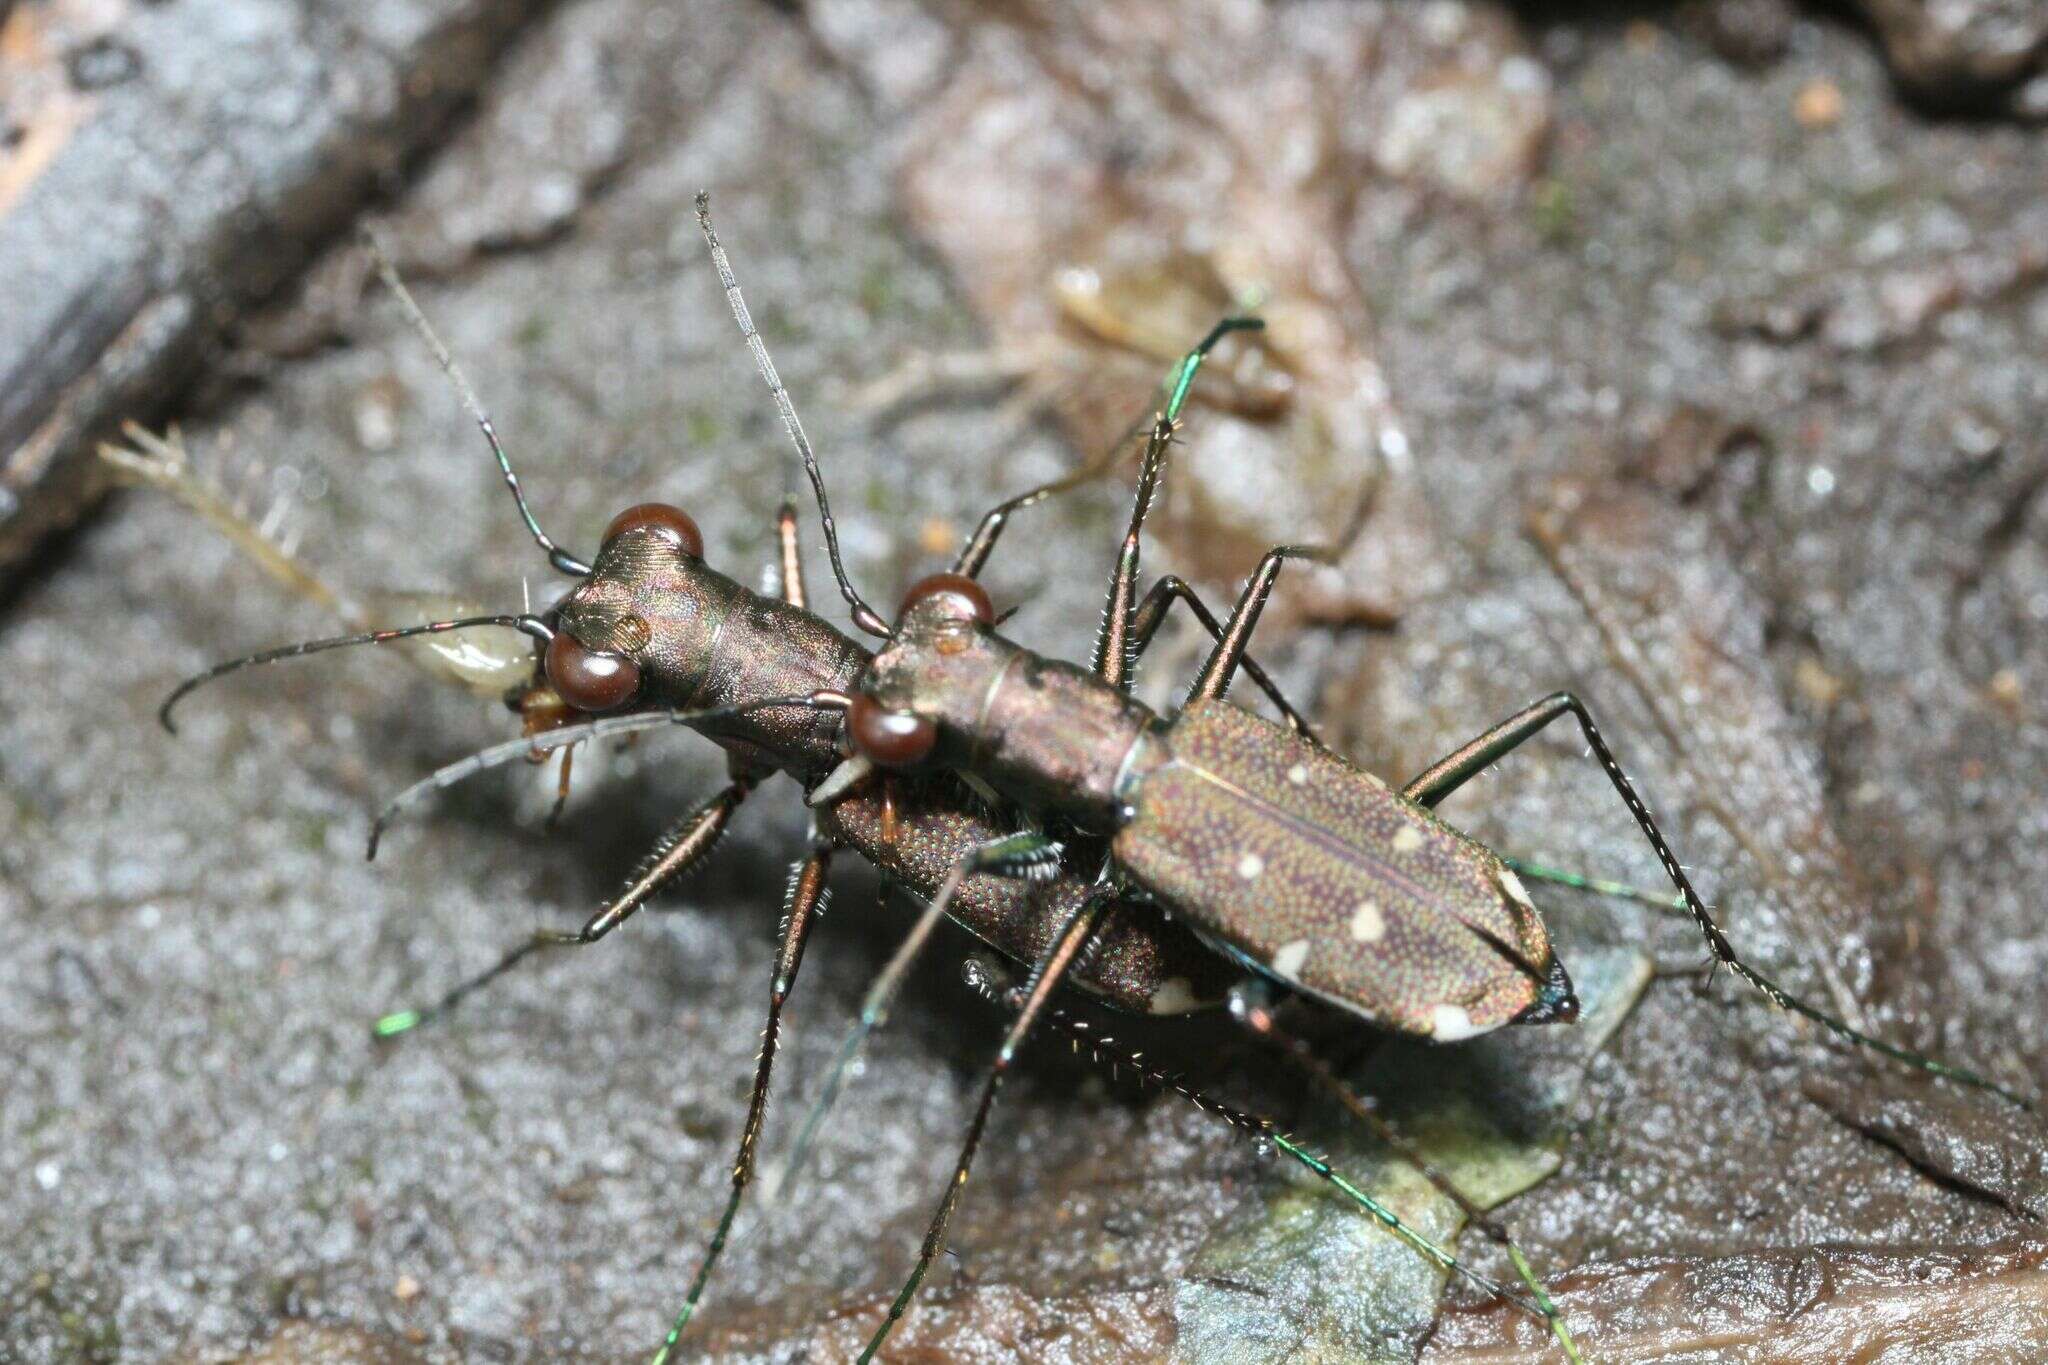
(1268, 853)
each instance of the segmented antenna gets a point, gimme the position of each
(497, 755)
(557, 556)
(532, 625)
(864, 615)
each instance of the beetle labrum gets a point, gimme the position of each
(656, 636)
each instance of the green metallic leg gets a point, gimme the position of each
(1118, 644)
(988, 980)
(1598, 886)
(1251, 1005)
(1446, 775)
(974, 554)
(1045, 978)
(806, 898)
(1028, 855)
(1112, 658)
(682, 848)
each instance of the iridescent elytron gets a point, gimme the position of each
(1037, 802)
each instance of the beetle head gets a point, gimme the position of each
(918, 681)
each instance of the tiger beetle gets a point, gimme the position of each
(1299, 867)
(652, 633)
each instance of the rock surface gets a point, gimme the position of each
(1729, 418)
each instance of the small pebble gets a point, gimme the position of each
(1818, 104)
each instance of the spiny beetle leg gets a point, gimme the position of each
(974, 554)
(1252, 1005)
(805, 900)
(988, 979)
(1027, 854)
(1112, 658)
(1151, 614)
(683, 847)
(1045, 978)
(1446, 775)
(1214, 679)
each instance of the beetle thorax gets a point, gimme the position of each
(702, 640)
(1050, 734)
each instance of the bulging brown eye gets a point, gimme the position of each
(893, 739)
(672, 522)
(589, 679)
(963, 599)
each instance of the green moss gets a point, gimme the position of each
(878, 293)
(700, 427)
(1555, 210)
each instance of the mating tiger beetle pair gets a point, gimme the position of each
(1164, 863)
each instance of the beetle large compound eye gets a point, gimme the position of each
(589, 679)
(671, 522)
(892, 739)
(963, 599)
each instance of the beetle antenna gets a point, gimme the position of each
(531, 625)
(863, 615)
(497, 755)
(557, 556)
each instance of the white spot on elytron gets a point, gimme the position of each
(1298, 774)
(1517, 893)
(1407, 839)
(1250, 866)
(1451, 1024)
(1174, 996)
(1288, 961)
(1367, 924)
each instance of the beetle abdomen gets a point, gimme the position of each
(1318, 874)
(1141, 961)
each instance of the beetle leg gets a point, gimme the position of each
(682, 848)
(1151, 614)
(1598, 886)
(1028, 854)
(1046, 976)
(805, 901)
(1214, 679)
(989, 979)
(1252, 1006)
(1449, 773)
(974, 554)
(1113, 655)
